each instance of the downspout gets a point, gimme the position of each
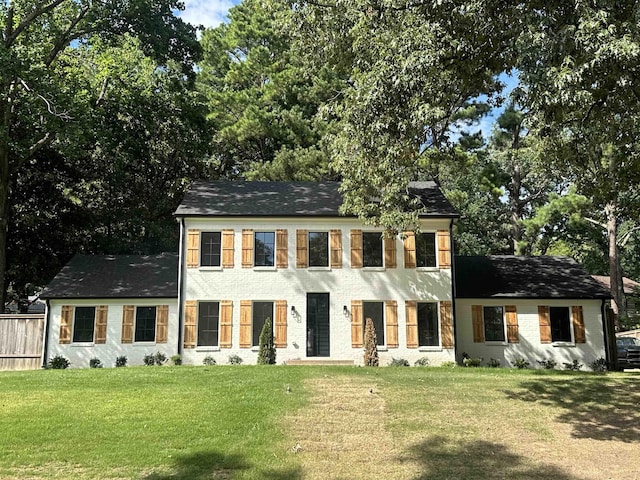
(453, 290)
(611, 358)
(45, 340)
(180, 286)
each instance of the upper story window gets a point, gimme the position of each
(210, 248)
(264, 248)
(83, 324)
(493, 324)
(372, 251)
(426, 250)
(318, 249)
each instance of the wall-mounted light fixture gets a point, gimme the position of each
(345, 311)
(295, 314)
(293, 309)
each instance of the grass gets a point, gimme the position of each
(317, 422)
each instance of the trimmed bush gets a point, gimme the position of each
(521, 364)
(209, 360)
(95, 363)
(548, 364)
(267, 350)
(472, 362)
(160, 358)
(599, 365)
(235, 359)
(422, 362)
(121, 361)
(370, 345)
(399, 362)
(573, 366)
(149, 360)
(58, 363)
(176, 359)
(493, 363)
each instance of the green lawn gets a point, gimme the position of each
(241, 421)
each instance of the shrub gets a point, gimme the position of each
(521, 364)
(209, 360)
(422, 362)
(370, 345)
(149, 360)
(267, 350)
(448, 364)
(574, 366)
(159, 358)
(176, 359)
(95, 363)
(548, 364)
(472, 362)
(121, 361)
(235, 359)
(493, 363)
(399, 362)
(599, 365)
(58, 363)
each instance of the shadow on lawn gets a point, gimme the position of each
(597, 407)
(443, 457)
(216, 466)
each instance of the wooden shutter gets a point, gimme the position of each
(578, 324)
(226, 321)
(356, 248)
(446, 324)
(444, 249)
(162, 323)
(66, 318)
(245, 324)
(101, 324)
(391, 319)
(511, 313)
(301, 249)
(282, 249)
(390, 252)
(478, 324)
(247, 248)
(411, 308)
(356, 324)
(227, 248)
(409, 250)
(193, 248)
(190, 323)
(545, 324)
(280, 332)
(127, 323)
(336, 248)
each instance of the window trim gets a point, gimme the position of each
(135, 325)
(328, 245)
(382, 346)
(505, 340)
(275, 251)
(373, 268)
(429, 348)
(273, 309)
(201, 251)
(563, 343)
(435, 251)
(73, 325)
(197, 345)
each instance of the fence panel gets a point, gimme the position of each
(21, 341)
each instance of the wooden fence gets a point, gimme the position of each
(21, 341)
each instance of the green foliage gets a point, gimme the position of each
(448, 365)
(399, 362)
(58, 362)
(549, 364)
(209, 360)
(121, 361)
(493, 363)
(370, 345)
(574, 366)
(421, 362)
(176, 359)
(599, 365)
(159, 358)
(472, 362)
(235, 359)
(267, 350)
(149, 360)
(95, 363)
(521, 364)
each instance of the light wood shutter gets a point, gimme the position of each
(444, 249)
(162, 323)
(247, 248)
(127, 323)
(245, 324)
(545, 324)
(578, 324)
(227, 248)
(356, 324)
(409, 250)
(391, 319)
(280, 333)
(511, 313)
(226, 322)
(66, 318)
(190, 323)
(356, 248)
(411, 308)
(101, 324)
(336, 248)
(301, 249)
(282, 249)
(477, 323)
(446, 324)
(193, 248)
(390, 252)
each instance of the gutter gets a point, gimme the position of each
(45, 340)
(181, 274)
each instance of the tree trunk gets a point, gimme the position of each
(4, 213)
(617, 290)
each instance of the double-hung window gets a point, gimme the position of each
(145, 330)
(264, 248)
(83, 324)
(208, 324)
(428, 334)
(426, 250)
(374, 311)
(260, 312)
(210, 246)
(560, 320)
(372, 250)
(493, 324)
(318, 249)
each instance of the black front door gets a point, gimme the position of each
(318, 325)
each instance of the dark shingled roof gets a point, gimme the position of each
(289, 199)
(524, 277)
(116, 276)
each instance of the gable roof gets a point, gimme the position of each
(289, 199)
(524, 277)
(116, 276)
(631, 287)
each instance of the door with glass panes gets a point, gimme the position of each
(318, 325)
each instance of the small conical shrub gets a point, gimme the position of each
(370, 344)
(267, 352)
